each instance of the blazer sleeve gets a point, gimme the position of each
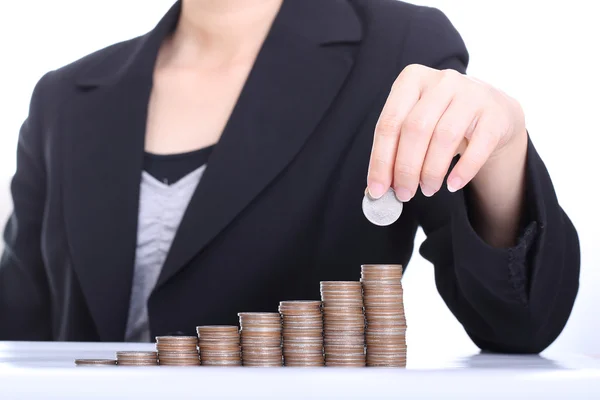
(24, 290)
(512, 300)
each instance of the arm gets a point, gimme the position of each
(24, 291)
(506, 256)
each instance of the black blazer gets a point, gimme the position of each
(279, 206)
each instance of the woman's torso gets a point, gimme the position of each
(277, 208)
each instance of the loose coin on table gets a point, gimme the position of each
(383, 211)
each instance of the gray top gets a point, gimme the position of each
(161, 209)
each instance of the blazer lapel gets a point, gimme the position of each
(296, 76)
(102, 169)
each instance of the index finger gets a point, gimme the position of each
(404, 95)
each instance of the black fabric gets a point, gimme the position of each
(278, 208)
(170, 168)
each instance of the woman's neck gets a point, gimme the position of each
(221, 31)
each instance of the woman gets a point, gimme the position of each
(218, 163)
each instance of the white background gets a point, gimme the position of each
(543, 53)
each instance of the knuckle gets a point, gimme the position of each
(479, 94)
(447, 134)
(489, 135)
(405, 74)
(398, 82)
(498, 134)
(451, 79)
(379, 165)
(388, 126)
(380, 170)
(411, 69)
(415, 124)
(432, 176)
(450, 74)
(404, 170)
(472, 163)
(504, 126)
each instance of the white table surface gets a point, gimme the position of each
(47, 371)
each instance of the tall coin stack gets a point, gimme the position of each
(137, 358)
(384, 310)
(344, 324)
(261, 339)
(180, 351)
(219, 345)
(302, 333)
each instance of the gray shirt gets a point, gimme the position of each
(161, 209)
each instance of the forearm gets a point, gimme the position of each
(498, 192)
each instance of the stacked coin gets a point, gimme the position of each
(302, 333)
(137, 358)
(219, 345)
(384, 310)
(95, 363)
(261, 339)
(179, 351)
(344, 324)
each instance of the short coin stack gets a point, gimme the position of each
(302, 333)
(384, 310)
(180, 351)
(344, 324)
(261, 339)
(95, 363)
(137, 358)
(219, 345)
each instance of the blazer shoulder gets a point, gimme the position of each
(394, 16)
(58, 85)
(375, 9)
(110, 55)
(416, 34)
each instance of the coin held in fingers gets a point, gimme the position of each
(383, 211)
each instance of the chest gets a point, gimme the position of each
(189, 109)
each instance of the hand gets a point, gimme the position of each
(431, 116)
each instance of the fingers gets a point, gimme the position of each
(484, 140)
(404, 95)
(448, 136)
(427, 117)
(415, 136)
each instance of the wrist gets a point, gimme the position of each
(498, 191)
(507, 164)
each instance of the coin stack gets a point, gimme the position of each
(261, 339)
(302, 333)
(95, 363)
(344, 324)
(178, 351)
(384, 310)
(137, 358)
(219, 345)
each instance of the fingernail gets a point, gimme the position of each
(454, 184)
(376, 190)
(403, 194)
(428, 191)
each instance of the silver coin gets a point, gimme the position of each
(383, 211)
